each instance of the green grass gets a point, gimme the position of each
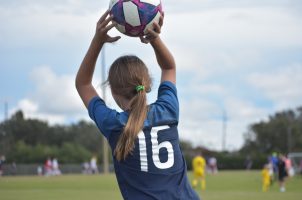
(243, 185)
(228, 185)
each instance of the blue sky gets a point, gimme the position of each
(241, 56)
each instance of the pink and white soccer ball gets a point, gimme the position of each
(133, 17)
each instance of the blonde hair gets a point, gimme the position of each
(125, 74)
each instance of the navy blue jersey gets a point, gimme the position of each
(156, 168)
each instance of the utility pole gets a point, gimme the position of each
(289, 134)
(289, 139)
(5, 106)
(224, 127)
(105, 144)
(5, 110)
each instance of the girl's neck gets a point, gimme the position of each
(122, 102)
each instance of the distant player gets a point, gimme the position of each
(212, 162)
(2, 160)
(282, 172)
(55, 167)
(266, 178)
(274, 160)
(144, 139)
(289, 166)
(199, 167)
(300, 167)
(271, 171)
(48, 167)
(93, 165)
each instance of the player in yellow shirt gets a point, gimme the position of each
(199, 166)
(266, 179)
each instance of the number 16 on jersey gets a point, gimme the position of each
(155, 150)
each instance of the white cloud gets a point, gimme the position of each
(201, 120)
(207, 133)
(28, 106)
(256, 26)
(54, 97)
(241, 110)
(282, 85)
(31, 110)
(55, 93)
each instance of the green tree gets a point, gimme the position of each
(281, 133)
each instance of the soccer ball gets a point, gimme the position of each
(134, 17)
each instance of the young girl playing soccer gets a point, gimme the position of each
(199, 170)
(266, 178)
(144, 139)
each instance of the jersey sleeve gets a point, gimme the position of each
(168, 101)
(101, 115)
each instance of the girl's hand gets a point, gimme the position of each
(103, 27)
(153, 33)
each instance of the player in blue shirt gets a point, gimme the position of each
(144, 139)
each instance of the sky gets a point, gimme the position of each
(238, 57)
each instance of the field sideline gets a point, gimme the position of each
(227, 185)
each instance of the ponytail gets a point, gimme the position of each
(137, 116)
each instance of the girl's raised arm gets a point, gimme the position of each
(85, 73)
(164, 57)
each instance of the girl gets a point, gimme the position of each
(266, 178)
(144, 139)
(199, 168)
(282, 172)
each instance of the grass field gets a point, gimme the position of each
(228, 185)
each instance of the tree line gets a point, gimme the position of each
(32, 141)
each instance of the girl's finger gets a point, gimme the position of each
(104, 16)
(106, 21)
(161, 20)
(150, 38)
(107, 28)
(114, 39)
(152, 33)
(144, 40)
(156, 27)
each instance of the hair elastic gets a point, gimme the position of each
(140, 88)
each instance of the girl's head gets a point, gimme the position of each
(129, 81)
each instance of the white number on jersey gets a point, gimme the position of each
(155, 150)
